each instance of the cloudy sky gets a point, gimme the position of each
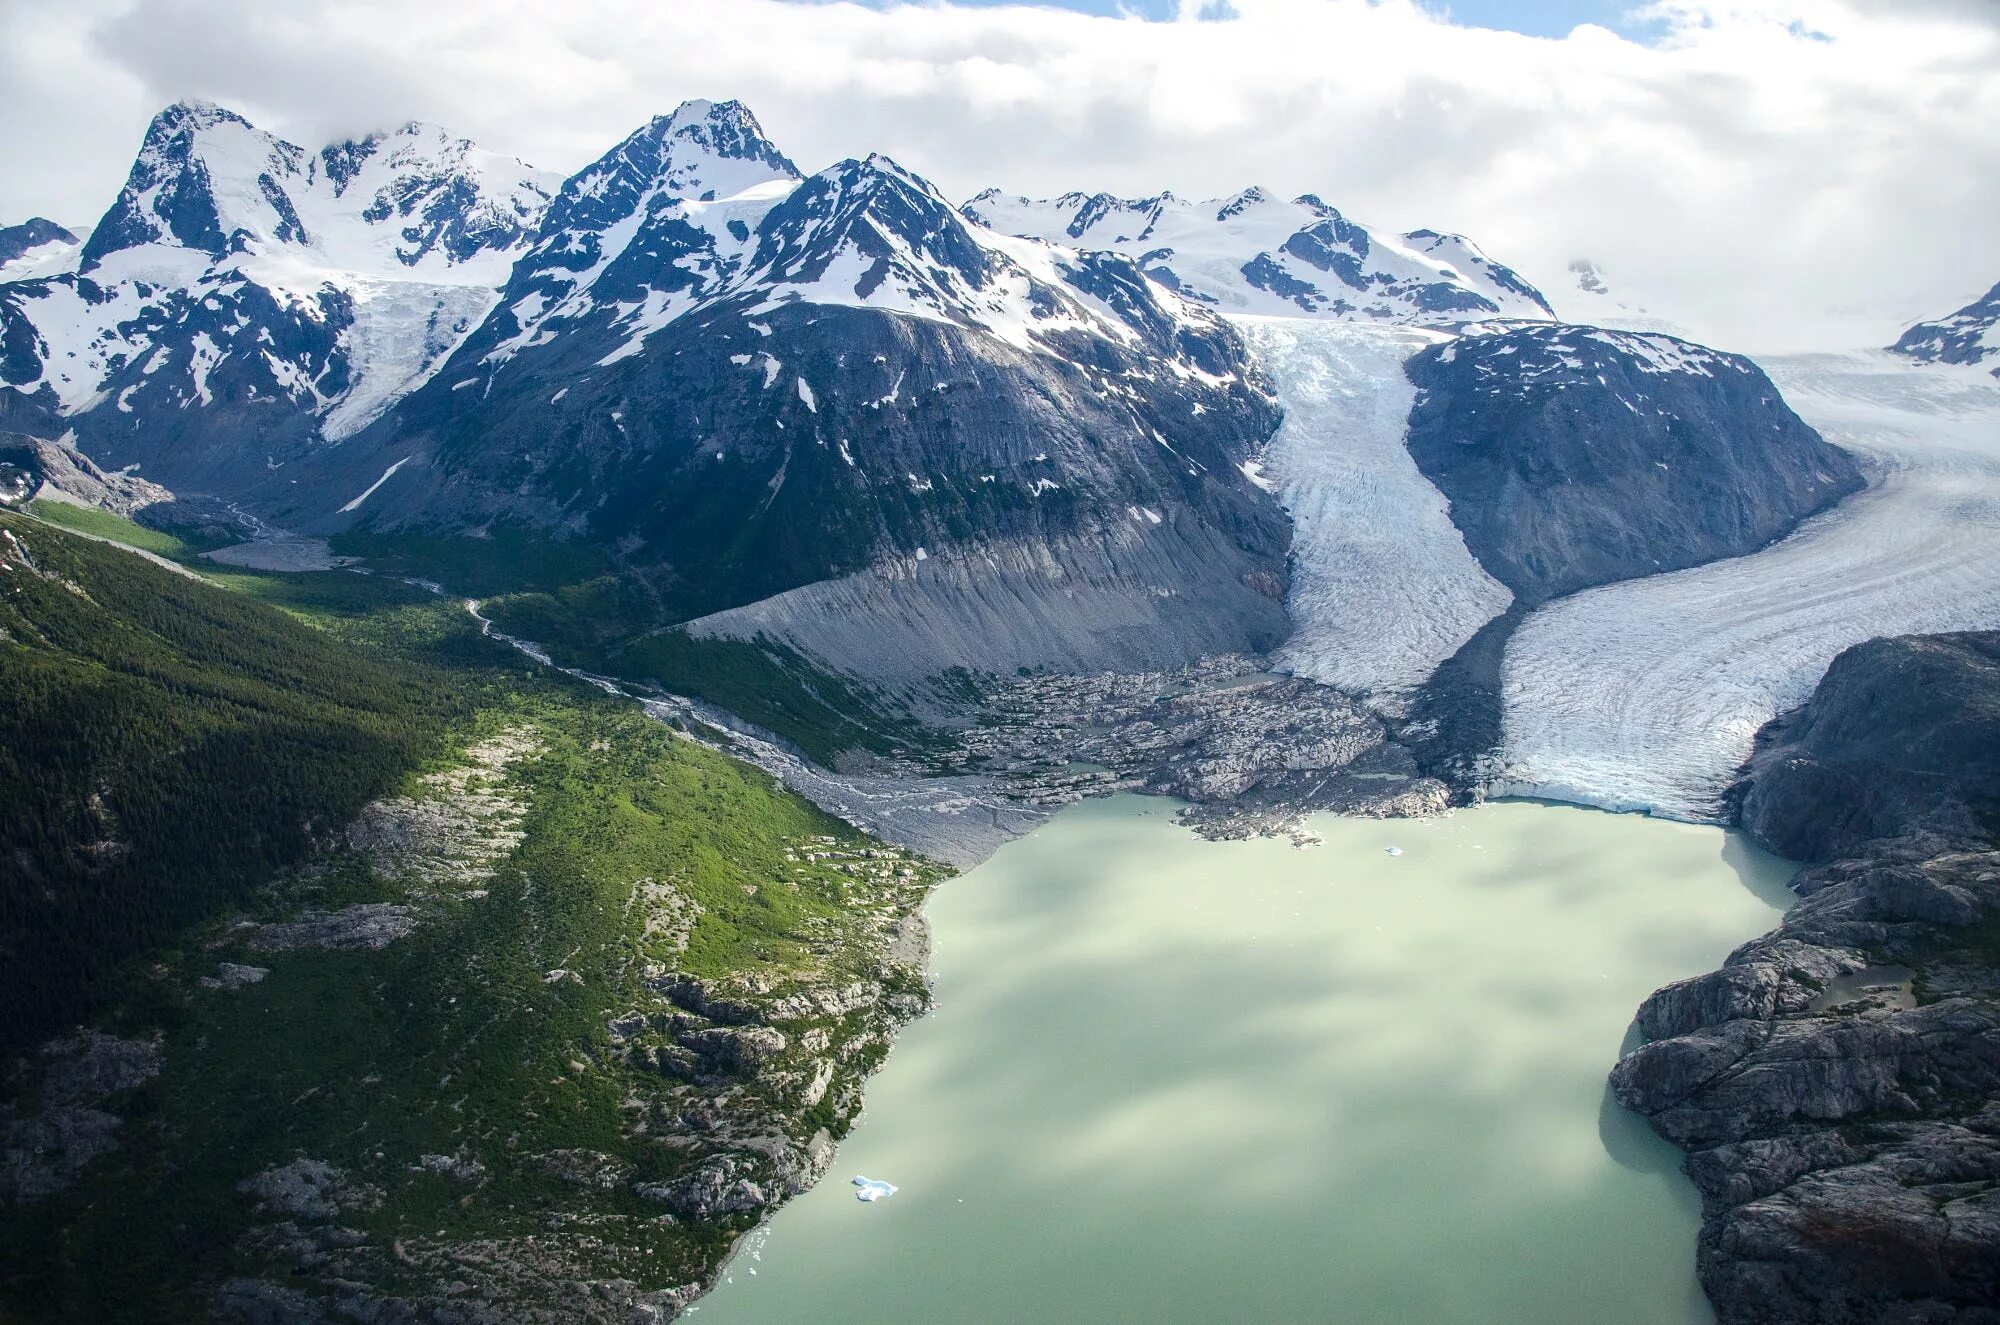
(1769, 173)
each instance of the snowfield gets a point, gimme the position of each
(1646, 694)
(1383, 588)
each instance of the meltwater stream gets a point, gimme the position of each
(1175, 1080)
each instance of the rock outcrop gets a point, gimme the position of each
(1902, 736)
(36, 467)
(1836, 1084)
(1970, 336)
(1574, 456)
(1837, 1088)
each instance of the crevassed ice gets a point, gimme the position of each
(1646, 694)
(1383, 588)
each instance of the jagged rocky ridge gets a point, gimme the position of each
(1834, 1084)
(1257, 253)
(32, 244)
(748, 383)
(1969, 336)
(245, 299)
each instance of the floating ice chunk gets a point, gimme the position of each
(1392, 851)
(871, 1189)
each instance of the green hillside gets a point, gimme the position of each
(385, 940)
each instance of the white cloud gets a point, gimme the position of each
(1776, 172)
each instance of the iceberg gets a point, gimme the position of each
(1392, 851)
(872, 1189)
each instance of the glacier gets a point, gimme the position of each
(1647, 694)
(1383, 588)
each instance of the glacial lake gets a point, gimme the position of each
(1177, 1080)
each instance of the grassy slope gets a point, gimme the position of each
(578, 605)
(452, 1040)
(103, 524)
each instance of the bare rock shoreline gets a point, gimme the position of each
(1836, 1084)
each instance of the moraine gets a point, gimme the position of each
(1178, 1080)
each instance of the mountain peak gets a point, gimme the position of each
(35, 241)
(202, 174)
(703, 151)
(194, 112)
(877, 163)
(1242, 202)
(1969, 336)
(1256, 253)
(725, 130)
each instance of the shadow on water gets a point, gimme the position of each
(1767, 876)
(1631, 1141)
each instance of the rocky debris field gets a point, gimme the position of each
(42, 1152)
(1251, 751)
(462, 821)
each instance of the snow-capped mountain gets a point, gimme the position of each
(1969, 336)
(244, 293)
(643, 234)
(748, 381)
(36, 247)
(698, 208)
(1259, 254)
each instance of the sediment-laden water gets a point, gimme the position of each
(1174, 1080)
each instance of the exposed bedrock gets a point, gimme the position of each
(1837, 1088)
(1573, 456)
(1902, 736)
(34, 466)
(1836, 1084)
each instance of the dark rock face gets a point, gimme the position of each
(842, 436)
(1574, 456)
(30, 234)
(1837, 1088)
(1969, 336)
(862, 380)
(1902, 736)
(1837, 1083)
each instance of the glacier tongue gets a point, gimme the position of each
(1383, 588)
(1646, 694)
(404, 334)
